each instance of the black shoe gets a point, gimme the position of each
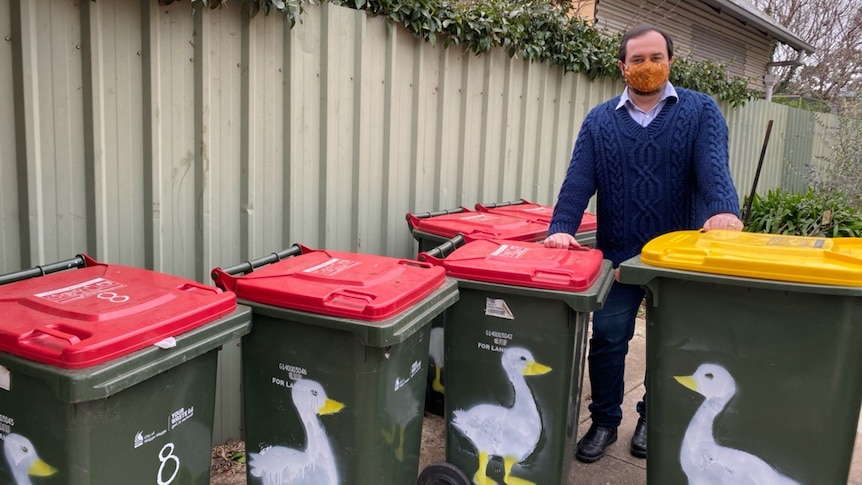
(595, 443)
(638, 446)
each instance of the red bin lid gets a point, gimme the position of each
(341, 284)
(481, 225)
(527, 264)
(535, 212)
(85, 317)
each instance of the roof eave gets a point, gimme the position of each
(778, 32)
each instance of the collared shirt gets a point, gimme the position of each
(640, 116)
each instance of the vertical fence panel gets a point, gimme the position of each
(217, 140)
(425, 130)
(263, 146)
(399, 126)
(798, 148)
(303, 131)
(490, 159)
(546, 152)
(49, 137)
(824, 132)
(470, 107)
(171, 114)
(61, 105)
(450, 127)
(531, 111)
(10, 228)
(113, 110)
(510, 128)
(338, 154)
(371, 138)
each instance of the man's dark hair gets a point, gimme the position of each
(639, 31)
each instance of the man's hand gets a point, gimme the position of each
(561, 240)
(723, 221)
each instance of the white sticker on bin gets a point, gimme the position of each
(167, 343)
(5, 378)
(495, 307)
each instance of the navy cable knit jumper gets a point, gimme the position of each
(670, 175)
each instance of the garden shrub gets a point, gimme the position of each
(805, 214)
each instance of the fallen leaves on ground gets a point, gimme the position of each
(228, 459)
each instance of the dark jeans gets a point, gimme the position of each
(613, 328)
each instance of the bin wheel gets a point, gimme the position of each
(443, 474)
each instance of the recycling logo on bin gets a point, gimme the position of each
(702, 459)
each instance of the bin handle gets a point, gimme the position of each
(483, 207)
(417, 264)
(79, 261)
(72, 339)
(413, 219)
(559, 276)
(444, 249)
(225, 278)
(349, 299)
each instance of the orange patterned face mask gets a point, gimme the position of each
(647, 77)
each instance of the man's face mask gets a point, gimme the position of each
(646, 77)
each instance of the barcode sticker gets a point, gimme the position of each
(498, 308)
(5, 378)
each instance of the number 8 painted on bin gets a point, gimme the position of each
(164, 458)
(112, 297)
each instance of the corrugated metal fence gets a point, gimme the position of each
(150, 136)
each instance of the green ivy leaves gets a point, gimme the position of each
(533, 30)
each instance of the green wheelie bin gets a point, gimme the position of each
(515, 350)
(524, 209)
(334, 369)
(108, 374)
(754, 369)
(431, 229)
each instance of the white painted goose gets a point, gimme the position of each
(510, 433)
(704, 461)
(23, 460)
(435, 351)
(280, 465)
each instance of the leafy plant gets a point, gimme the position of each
(709, 77)
(805, 214)
(535, 30)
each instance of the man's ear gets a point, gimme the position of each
(622, 68)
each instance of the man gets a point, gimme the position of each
(657, 159)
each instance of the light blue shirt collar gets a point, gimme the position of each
(645, 118)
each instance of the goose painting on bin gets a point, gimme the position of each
(510, 433)
(703, 460)
(23, 460)
(315, 465)
(435, 352)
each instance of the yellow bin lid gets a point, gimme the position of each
(820, 260)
